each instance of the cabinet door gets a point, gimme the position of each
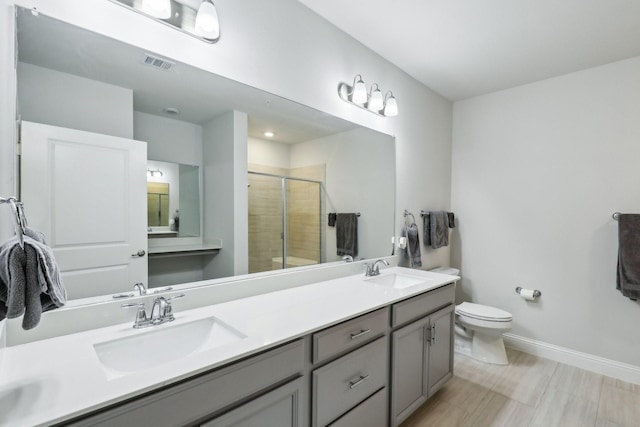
(441, 348)
(280, 407)
(410, 361)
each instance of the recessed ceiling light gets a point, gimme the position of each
(269, 134)
(172, 111)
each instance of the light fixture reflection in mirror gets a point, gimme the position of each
(198, 18)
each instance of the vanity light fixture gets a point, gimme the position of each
(160, 9)
(372, 101)
(198, 18)
(153, 173)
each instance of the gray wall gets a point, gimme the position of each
(538, 171)
(60, 99)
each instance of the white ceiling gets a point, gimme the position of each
(464, 48)
(198, 95)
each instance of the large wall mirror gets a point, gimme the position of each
(277, 205)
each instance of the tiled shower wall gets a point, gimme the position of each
(306, 216)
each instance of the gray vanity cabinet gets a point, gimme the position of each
(421, 351)
(248, 388)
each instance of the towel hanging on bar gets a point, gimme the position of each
(628, 269)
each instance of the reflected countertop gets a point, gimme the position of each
(60, 378)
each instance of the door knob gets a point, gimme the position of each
(140, 253)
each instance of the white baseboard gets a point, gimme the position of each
(589, 362)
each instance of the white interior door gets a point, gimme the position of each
(87, 193)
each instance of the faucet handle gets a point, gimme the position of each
(369, 266)
(169, 311)
(141, 314)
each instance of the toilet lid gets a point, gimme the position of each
(483, 312)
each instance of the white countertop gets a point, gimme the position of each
(61, 378)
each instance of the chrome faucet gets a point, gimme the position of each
(161, 312)
(373, 269)
(347, 258)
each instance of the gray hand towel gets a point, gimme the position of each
(452, 219)
(413, 244)
(347, 234)
(426, 229)
(628, 274)
(21, 285)
(439, 229)
(30, 281)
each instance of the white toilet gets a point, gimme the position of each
(479, 329)
(482, 327)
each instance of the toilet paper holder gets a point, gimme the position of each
(536, 293)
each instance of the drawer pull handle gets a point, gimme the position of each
(359, 334)
(356, 383)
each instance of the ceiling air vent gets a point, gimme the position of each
(156, 62)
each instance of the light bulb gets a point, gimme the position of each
(375, 100)
(359, 95)
(391, 106)
(207, 24)
(157, 8)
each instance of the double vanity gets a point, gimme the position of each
(349, 351)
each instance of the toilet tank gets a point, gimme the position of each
(447, 270)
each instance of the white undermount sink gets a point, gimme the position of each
(393, 278)
(157, 345)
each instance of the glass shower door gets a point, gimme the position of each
(284, 222)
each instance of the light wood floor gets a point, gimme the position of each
(530, 391)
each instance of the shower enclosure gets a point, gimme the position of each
(284, 222)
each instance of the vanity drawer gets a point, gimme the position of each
(349, 334)
(347, 381)
(206, 395)
(370, 413)
(422, 305)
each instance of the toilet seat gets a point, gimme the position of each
(483, 312)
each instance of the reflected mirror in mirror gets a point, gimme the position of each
(173, 199)
(181, 113)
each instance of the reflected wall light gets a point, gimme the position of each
(371, 101)
(198, 18)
